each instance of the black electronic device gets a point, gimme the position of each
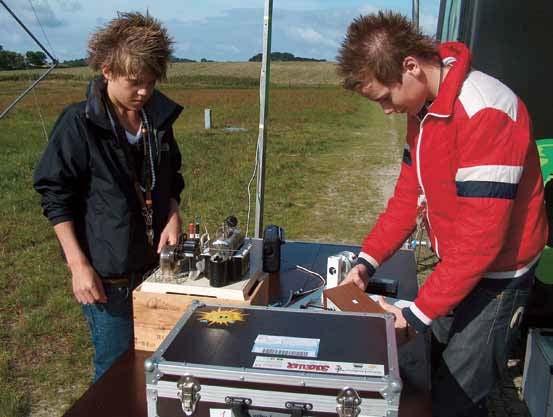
(382, 286)
(273, 238)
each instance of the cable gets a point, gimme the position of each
(249, 192)
(37, 105)
(42, 28)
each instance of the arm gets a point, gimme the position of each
(56, 178)
(394, 225)
(173, 227)
(87, 286)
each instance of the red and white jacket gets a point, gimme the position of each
(472, 164)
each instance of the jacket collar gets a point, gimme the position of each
(161, 110)
(457, 55)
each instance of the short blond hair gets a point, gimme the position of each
(131, 45)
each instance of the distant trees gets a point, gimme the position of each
(35, 58)
(173, 58)
(283, 56)
(10, 60)
(81, 62)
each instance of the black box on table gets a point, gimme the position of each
(220, 361)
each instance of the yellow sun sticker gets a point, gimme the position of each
(219, 316)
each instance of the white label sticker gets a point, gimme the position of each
(225, 412)
(324, 367)
(286, 346)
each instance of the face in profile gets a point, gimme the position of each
(130, 93)
(407, 96)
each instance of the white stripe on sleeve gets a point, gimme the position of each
(509, 174)
(420, 315)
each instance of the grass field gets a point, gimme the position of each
(332, 158)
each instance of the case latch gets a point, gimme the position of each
(348, 403)
(188, 394)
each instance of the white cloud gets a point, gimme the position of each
(231, 49)
(69, 5)
(368, 9)
(312, 36)
(41, 10)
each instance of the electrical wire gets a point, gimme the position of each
(37, 105)
(299, 292)
(42, 29)
(323, 280)
(249, 192)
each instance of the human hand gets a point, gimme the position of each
(173, 228)
(358, 275)
(87, 285)
(404, 332)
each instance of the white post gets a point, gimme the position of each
(207, 118)
(263, 112)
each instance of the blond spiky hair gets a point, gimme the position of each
(130, 46)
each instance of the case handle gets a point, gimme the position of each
(239, 407)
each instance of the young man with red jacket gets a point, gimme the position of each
(471, 175)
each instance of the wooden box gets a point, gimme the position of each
(155, 314)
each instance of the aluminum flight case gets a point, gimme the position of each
(220, 361)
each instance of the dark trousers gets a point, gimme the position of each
(470, 347)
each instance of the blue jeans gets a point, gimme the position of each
(111, 327)
(470, 347)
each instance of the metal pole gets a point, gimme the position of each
(54, 60)
(54, 63)
(415, 13)
(263, 112)
(24, 93)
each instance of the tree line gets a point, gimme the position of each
(10, 60)
(283, 56)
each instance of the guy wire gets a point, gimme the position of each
(42, 28)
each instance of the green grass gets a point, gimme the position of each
(211, 74)
(330, 156)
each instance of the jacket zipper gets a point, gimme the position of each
(419, 176)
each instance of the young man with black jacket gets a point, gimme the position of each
(110, 181)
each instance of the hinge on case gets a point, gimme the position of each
(348, 403)
(188, 394)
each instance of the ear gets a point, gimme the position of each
(411, 66)
(106, 72)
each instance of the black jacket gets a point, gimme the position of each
(83, 176)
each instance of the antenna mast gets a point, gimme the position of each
(263, 111)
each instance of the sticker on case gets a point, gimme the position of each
(314, 366)
(224, 317)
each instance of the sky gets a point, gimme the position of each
(220, 30)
